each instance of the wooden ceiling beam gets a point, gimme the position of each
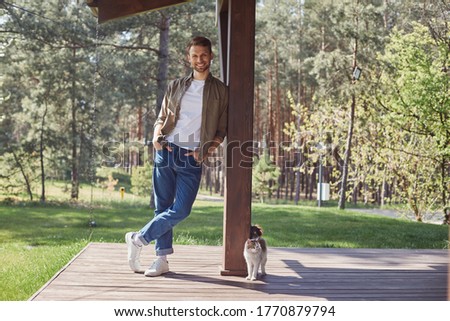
(107, 10)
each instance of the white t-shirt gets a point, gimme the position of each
(186, 133)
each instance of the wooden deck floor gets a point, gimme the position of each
(100, 272)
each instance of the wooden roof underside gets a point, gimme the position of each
(107, 10)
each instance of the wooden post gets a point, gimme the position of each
(240, 79)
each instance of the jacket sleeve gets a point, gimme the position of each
(160, 120)
(223, 118)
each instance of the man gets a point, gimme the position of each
(192, 123)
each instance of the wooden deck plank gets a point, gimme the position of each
(101, 272)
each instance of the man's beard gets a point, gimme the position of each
(202, 68)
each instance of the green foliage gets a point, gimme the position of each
(113, 179)
(400, 138)
(56, 61)
(17, 169)
(52, 68)
(265, 175)
(416, 110)
(141, 180)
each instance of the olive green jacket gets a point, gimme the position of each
(214, 113)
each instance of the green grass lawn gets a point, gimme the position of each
(37, 240)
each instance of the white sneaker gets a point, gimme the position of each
(159, 266)
(134, 252)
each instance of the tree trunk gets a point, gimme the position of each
(74, 178)
(208, 181)
(27, 182)
(305, 183)
(385, 15)
(41, 154)
(286, 182)
(297, 186)
(217, 186)
(301, 100)
(277, 117)
(444, 176)
(346, 164)
(383, 189)
(258, 132)
(350, 127)
(312, 184)
(164, 28)
(271, 135)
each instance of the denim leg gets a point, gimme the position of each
(164, 188)
(181, 178)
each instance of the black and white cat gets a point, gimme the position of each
(255, 253)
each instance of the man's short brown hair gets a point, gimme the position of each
(199, 41)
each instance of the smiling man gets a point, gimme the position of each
(191, 124)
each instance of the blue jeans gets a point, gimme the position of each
(176, 179)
